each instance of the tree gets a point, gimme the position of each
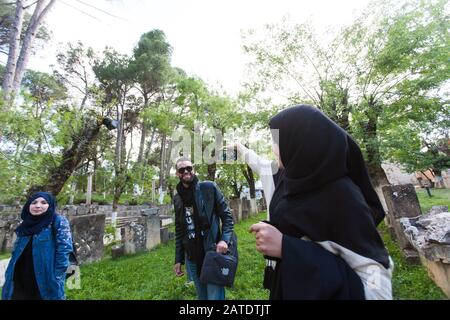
(387, 66)
(20, 49)
(7, 15)
(116, 78)
(44, 91)
(151, 66)
(75, 70)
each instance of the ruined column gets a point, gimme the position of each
(402, 202)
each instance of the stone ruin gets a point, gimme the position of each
(424, 238)
(138, 228)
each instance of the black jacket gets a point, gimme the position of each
(212, 208)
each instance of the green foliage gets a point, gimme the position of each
(231, 180)
(43, 87)
(384, 71)
(151, 63)
(5, 255)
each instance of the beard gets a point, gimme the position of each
(187, 181)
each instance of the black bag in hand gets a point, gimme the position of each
(220, 269)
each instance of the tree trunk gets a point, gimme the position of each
(14, 49)
(36, 20)
(168, 157)
(250, 177)
(71, 159)
(211, 171)
(370, 139)
(343, 117)
(144, 131)
(236, 189)
(140, 159)
(94, 178)
(119, 163)
(149, 147)
(162, 171)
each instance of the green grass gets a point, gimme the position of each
(150, 276)
(440, 197)
(6, 255)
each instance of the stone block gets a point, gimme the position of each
(402, 201)
(135, 237)
(87, 232)
(245, 208)
(165, 237)
(236, 209)
(117, 251)
(153, 226)
(253, 207)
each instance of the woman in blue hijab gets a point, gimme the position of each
(37, 269)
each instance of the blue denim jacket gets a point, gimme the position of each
(51, 248)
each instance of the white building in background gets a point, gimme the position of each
(396, 174)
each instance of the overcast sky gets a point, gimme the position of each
(205, 34)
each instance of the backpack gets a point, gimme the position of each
(73, 260)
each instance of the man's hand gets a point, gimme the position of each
(177, 269)
(221, 247)
(268, 239)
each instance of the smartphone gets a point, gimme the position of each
(229, 155)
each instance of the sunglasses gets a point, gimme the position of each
(182, 170)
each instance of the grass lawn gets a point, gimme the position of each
(439, 197)
(149, 275)
(6, 255)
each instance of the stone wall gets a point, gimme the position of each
(139, 228)
(8, 223)
(10, 217)
(429, 234)
(402, 202)
(423, 238)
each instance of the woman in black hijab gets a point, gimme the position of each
(38, 264)
(324, 212)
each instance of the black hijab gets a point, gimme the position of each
(324, 191)
(34, 224)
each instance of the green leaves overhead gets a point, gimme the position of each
(383, 72)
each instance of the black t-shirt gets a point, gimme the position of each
(25, 285)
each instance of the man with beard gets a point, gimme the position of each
(199, 209)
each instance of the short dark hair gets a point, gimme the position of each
(181, 160)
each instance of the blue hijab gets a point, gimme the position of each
(34, 224)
